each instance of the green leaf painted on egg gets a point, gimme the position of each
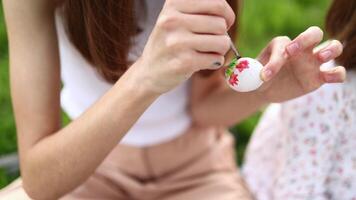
(230, 69)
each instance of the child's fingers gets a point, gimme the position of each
(308, 39)
(277, 59)
(330, 52)
(334, 75)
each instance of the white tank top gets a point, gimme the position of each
(165, 119)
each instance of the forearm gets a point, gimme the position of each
(226, 107)
(70, 156)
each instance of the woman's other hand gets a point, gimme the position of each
(292, 68)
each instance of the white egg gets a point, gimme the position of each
(244, 74)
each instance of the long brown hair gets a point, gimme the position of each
(341, 24)
(102, 31)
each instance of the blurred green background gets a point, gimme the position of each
(260, 22)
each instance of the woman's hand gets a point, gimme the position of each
(189, 36)
(292, 68)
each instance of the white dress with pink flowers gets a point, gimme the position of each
(306, 148)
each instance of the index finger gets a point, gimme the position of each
(205, 7)
(306, 40)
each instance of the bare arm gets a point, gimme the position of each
(50, 156)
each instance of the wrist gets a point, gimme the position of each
(135, 85)
(262, 97)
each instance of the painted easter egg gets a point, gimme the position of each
(244, 74)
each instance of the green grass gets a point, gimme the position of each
(260, 22)
(7, 128)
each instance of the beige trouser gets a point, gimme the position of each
(197, 165)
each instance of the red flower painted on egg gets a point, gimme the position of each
(242, 65)
(233, 79)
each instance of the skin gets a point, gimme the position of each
(291, 74)
(185, 29)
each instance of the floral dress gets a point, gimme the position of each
(306, 148)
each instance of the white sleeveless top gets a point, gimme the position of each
(165, 119)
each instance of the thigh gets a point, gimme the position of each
(224, 185)
(210, 175)
(110, 181)
(98, 186)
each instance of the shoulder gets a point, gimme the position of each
(41, 6)
(23, 14)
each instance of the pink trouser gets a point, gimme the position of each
(200, 164)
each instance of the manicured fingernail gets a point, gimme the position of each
(266, 74)
(293, 48)
(217, 65)
(325, 55)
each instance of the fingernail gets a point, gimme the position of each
(293, 48)
(325, 55)
(217, 65)
(332, 78)
(267, 74)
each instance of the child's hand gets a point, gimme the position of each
(292, 68)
